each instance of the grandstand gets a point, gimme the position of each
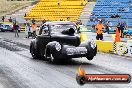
(107, 9)
(55, 10)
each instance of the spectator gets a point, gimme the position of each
(80, 22)
(119, 27)
(94, 24)
(14, 20)
(27, 30)
(113, 16)
(58, 4)
(130, 5)
(122, 28)
(27, 21)
(125, 25)
(68, 18)
(10, 19)
(44, 21)
(99, 29)
(91, 19)
(16, 28)
(108, 26)
(92, 14)
(117, 16)
(3, 19)
(34, 26)
(33, 21)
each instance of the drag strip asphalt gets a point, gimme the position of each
(25, 72)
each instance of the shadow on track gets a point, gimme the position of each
(63, 62)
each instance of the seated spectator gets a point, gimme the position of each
(117, 16)
(92, 14)
(113, 16)
(68, 18)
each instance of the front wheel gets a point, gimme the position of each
(89, 57)
(33, 52)
(91, 53)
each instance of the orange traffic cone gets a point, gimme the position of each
(117, 36)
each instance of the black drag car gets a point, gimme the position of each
(58, 40)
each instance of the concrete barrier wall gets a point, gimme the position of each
(104, 46)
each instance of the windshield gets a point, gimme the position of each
(61, 27)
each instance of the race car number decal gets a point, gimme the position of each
(77, 50)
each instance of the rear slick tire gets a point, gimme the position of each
(52, 59)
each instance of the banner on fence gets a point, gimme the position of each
(123, 49)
